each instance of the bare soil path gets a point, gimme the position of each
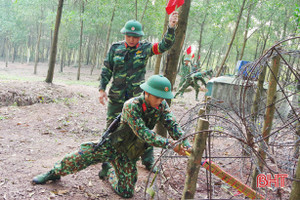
(40, 123)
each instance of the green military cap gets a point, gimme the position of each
(133, 28)
(158, 86)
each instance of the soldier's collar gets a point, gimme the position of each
(136, 46)
(145, 105)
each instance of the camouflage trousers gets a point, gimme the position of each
(122, 177)
(187, 83)
(191, 82)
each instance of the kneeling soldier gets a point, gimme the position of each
(123, 146)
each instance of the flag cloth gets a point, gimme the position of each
(189, 50)
(193, 55)
(199, 57)
(172, 5)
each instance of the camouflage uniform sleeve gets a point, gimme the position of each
(131, 115)
(165, 44)
(107, 70)
(169, 121)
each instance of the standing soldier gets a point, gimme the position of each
(124, 146)
(185, 70)
(126, 65)
(196, 65)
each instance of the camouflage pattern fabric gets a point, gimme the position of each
(127, 67)
(193, 82)
(140, 117)
(196, 66)
(122, 177)
(185, 70)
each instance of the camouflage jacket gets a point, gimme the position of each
(185, 70)
(135, 133)
(127, 66)
(199, 76)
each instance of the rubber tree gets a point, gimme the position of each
(53, 50)
(232, 39)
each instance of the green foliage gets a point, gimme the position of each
(297, 16)
(20, 20)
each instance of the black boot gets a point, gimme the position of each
(43, 178)
(104, 171)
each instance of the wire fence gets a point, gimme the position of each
(235, 139)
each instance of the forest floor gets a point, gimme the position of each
(40, 123)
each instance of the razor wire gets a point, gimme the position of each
(231, 123)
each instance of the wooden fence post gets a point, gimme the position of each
(194, 162)
(269, 115)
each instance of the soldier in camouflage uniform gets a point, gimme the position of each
(196, 66)
(123, 146)
(193, 81)
(184, 70)
(126, 65)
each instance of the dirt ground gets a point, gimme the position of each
(40, 123)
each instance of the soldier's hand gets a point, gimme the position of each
(173, 19)
(102, 97)
(181, 150)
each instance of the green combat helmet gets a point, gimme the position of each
(158, 86)
(187, 59)
(133, 28)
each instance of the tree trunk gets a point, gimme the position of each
(7, 53)
(232, 39)
(194, 162)
(62, 59)
(37, 48)
(142, 17)
(94, 62)
(295, 193)
(52, 59)
(297, 139)
(255, 105)
(28, 50)
(173, 54)
(201, 30)
(256, 48)
(108, 32)
(246, 32)
(159, 57)
(80, 43)
(88, 52)
(269, 115)
(297, 136)
(14, 50)
(136, 9)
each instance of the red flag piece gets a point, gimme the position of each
(193, 55)
(189, 50)
(172, 5)
(199, 57)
